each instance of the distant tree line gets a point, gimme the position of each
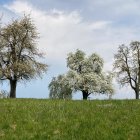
(86, 74)
(19, 61)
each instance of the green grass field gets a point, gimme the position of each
(25, 119)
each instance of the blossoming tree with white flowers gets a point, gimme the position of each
(86, 75)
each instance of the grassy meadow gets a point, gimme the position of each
(32, 119)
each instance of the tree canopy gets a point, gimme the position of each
(19, 55)
(60, 88)
(127, 66)
(85, 74)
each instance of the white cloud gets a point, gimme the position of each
(60, 32)
(99, 25)
(19, 6)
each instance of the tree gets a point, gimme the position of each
(60, 88)
(19, 54)
(127, 66)
(4, 94)
(86, 74)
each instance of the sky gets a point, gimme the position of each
(66, 25)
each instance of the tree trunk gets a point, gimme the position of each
(13, 85)
(85, 94)
(137, 95)
(137, 91)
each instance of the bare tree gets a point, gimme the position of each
(127, 66)
(19, 54)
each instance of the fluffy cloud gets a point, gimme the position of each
(61, 32)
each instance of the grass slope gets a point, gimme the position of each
(25, 119)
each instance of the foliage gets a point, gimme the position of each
(4, 94)
(86, 74)
(18, 53)
(60, 88)
(26, 119)
(127, 66)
